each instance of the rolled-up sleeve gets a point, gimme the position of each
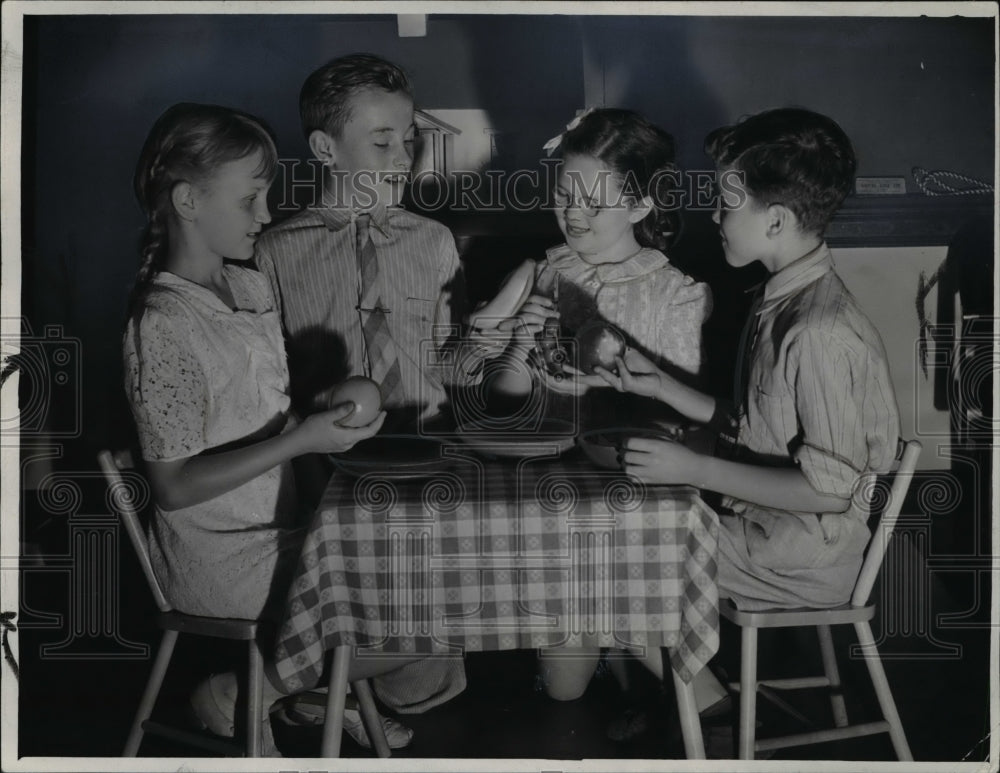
(846, 410)
(451, 302)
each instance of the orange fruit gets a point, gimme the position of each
(366, 396)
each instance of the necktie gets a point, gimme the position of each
(381, 362)
(741, 378)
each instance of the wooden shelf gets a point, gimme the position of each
(904, 221)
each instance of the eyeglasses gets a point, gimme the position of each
(563, 200)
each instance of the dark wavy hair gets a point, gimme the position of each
(640, 153)
(325, 99)
(790, 156)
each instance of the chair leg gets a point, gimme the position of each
(832, 674)
(882, 691)
(151, 692)
(748, 692)
(372, 720)
(687, 709)
(336, 697)
(255, 699)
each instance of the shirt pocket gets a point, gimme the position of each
(774, 403)
(419, 311)
(412, 327)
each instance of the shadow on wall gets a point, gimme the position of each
(656, 69)
(95, 84)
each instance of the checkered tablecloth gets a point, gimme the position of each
(497, 555)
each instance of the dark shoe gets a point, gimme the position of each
(720, 743)
(631, 724)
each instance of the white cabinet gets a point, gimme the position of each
(885, 280)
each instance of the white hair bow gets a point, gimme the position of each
(552, 145)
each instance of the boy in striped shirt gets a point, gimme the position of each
(357, 112)
(814, 409)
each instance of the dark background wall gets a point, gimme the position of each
(909, 91)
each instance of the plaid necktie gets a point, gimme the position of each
(381, 363)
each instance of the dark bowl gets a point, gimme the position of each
(603, 446)
(394, 455)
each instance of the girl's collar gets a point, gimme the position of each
(643, 262)
(170, 279)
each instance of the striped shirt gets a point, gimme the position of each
(311, 263)
(656, 305)
(820, 395)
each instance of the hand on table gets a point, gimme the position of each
(322, 432)
(660, 461)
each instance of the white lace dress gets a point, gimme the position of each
(200, 376)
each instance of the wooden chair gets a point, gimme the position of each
(858, 612)
(123, 496)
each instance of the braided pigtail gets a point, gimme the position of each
(186, 144)
(153, 194)
(153, 246)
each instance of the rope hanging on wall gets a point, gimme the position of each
(937, 183)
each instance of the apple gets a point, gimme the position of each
(366, 396)
(598, 343)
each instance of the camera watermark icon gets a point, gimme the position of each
(911, 623)
(91, 621)
(460, 562)
(51, 395)
(475, 408)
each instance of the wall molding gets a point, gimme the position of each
(904, 221)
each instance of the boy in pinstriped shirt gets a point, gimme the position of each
(815, 410)
(357, 112)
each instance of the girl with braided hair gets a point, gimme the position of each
(207, 382)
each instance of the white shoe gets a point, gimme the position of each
(398, 736)
(214, 705)
(309, 709)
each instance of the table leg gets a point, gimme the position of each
(336, 698)
(687, 710)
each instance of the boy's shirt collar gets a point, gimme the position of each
(796, 275)
(336, 218)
